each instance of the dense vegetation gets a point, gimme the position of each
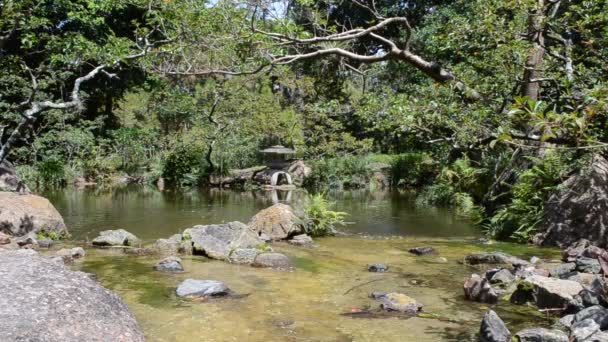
(482, 105)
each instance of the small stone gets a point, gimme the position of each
(301, 240)
(272, 260)
(503, 276)
(77, 252)
(378, 268)
(202, 288)
(377, 295)
(4, 239)
(399, 302)
(493, 329)
(167, 246)
(479, 290)
(575, 250)
(534, 260)
(422, 250)
(118, 237)
(541, 335)
(244, 255)
(170, 264)
(45, 243)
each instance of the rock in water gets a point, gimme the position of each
(277, 222)
(244, 255)
(541, 335)
(202, 288)
(399, 302)
(44, 301)
(422, 251)
(216, 241)
(378, 268)
(22, 214)
(547, 292)
(170, 264)
(580, 210)
(118, 237)
(272, 260)
(493, 258)
(479, 290)
(168, 246)
(493, 329)
(301, 240)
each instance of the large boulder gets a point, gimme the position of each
(42, 300)
(10, 181)
(493, 329)
(275, 223)
(547, 292)
(118, 237)
(217, 241)
(579, 210)
(22, 214)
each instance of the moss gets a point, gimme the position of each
(186, 237)
(263, 248)
(44, 235)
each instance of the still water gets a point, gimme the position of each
(310, 303)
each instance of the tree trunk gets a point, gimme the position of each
(534, 63)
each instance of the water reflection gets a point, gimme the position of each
(153, 214)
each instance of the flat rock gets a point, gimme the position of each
(422, 251)
(202, 288)
(561, 270)
(493, 329)
(378, 268)
(23, 214)
(118, 237)
(277, 222)
(493, 258)
(216, 241)
(400, 303)
(541, 335)
(272, 260)
(170, 264)
(301, 240)
(42, 300)
(504, 276)
(549, 292)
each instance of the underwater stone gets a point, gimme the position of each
(272, 260)
(378, 268)
(170, 264)
(422, 250)
(201, 288)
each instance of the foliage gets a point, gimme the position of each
(318, 219)
(413, 170)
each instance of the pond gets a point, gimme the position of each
(315, 301)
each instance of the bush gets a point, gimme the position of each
(340, 173)
(318, 220)
(412, 169)
(183, 166)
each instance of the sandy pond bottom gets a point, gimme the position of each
(308, 303)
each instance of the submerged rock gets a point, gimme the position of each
(493, 258)
(23, 214)
(277, 222)
(272, 260)
(546, 292)
(170, 264)
(202, 288)
(422, 251)
(44, 301)
(400, 303)
(478, 289)
(118, 237)
(378, 268)
(216, 241)
(493, 329)
(541, 335)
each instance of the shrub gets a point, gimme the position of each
(412, 169)
(318, 220)
(183, 166)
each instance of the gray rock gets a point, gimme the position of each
(301, 240)
(272, 260)
(565, 322)
(167, 246)
(588, 265)
(493, 329)
(77, 252)
(72, 253)
(597, 313)
(377, 295)
(277, 222)
(547, 292)
(541, 335)
(44, 301)
(244, 255)
(594, 293)
(118, 237)
(575, 250)
(378, 268)
(170, 264)
(493, 258)
(216, 241)
(582, 278)
(580, 209)
(582, 330)
(202, 288)
(479, 290)
(600, 336)
(400, 303)
(23, 214)
(504, 276)
(535, 260)
(45, 243)
(563, 270)
(422, 250)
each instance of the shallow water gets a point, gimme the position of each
(310, 302)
